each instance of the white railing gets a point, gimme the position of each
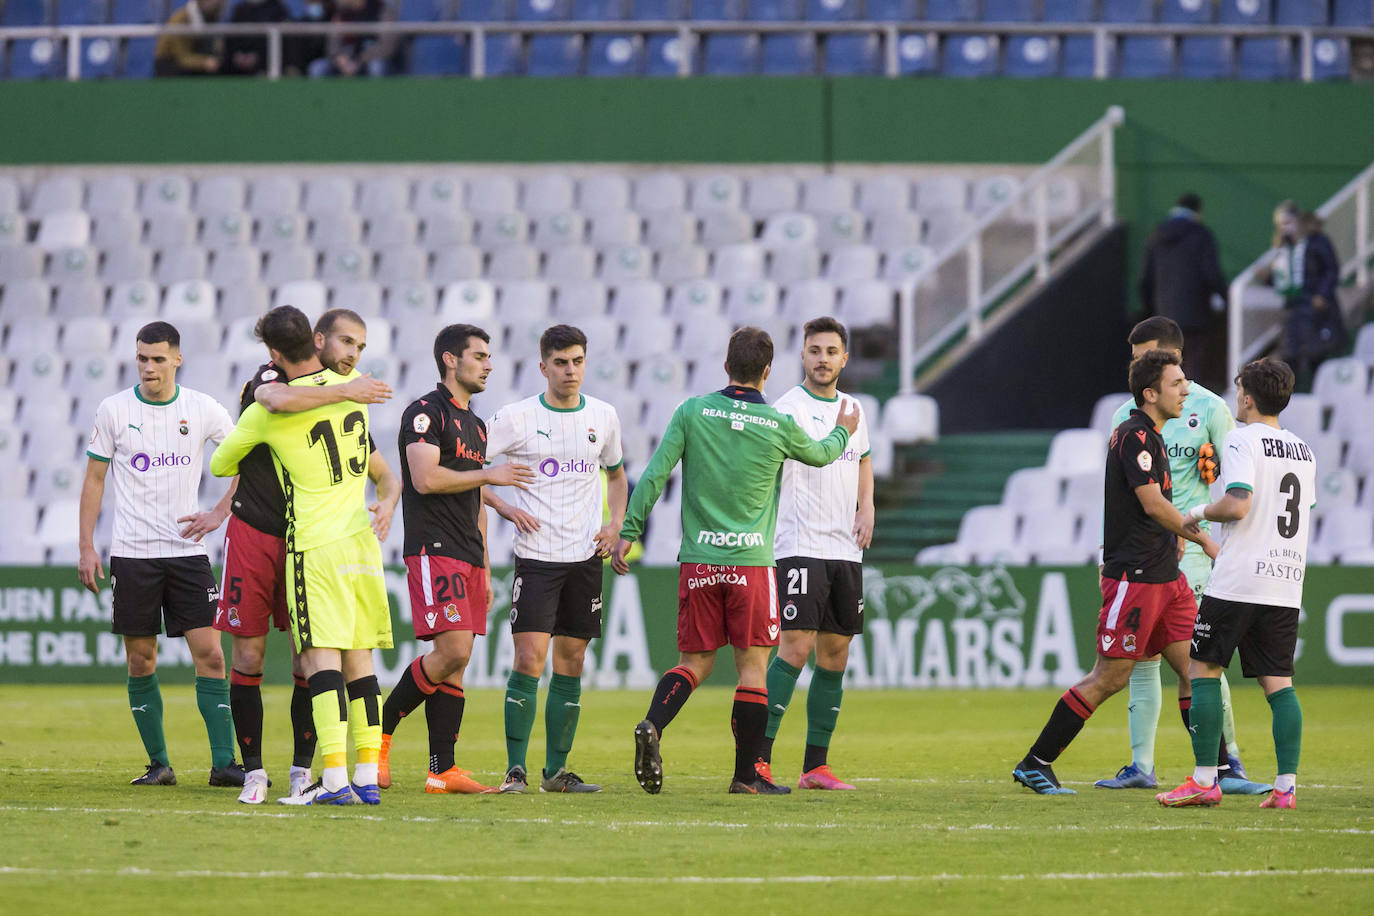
(1255, 317)
(1091, 152)
(689, 34)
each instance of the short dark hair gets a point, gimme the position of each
(333, 316)
(287, 330)
(1164, 331)
(454, 339)
(561, 337)
(1270, 382)
(1148, 370)
(1190, 201)
(749, 353)
(826, 325)
(159, 332)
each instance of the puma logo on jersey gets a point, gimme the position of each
(137, 429)
(547, 434)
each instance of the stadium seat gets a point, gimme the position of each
(599, 10)
(827, 194)
(785, 229)
(95, 374)
(336, 229)
(738, 263)
(716, 10)
(970, 55)
(992, 192)
(391, 230)
(615, 55)
(524, 302)
(1031, 56)
(24, 300)
(138, 59)
(1331, 59)
(775, 10)
(891, 10)
(789, 54)
(472, 301)
(836, 229)
(235, 265)
(851, 263)
(1103, 411)
(853, 55)
(1078, 53)
(1350, 418)
(1008, 11)
(1127, 11)
(1340, 380)
(310, 296)
(1187, 12)
(1265, 59)
(646, 335)
(136, 300)
(1342, 530)
(499, 229)
(833, 10)
(1352, 13)
(866, 304)
(79, 299)
(726, 227)
(135, 12)
(60, 192)
(455, 263)
(693, 300)
(27, 337)
(626, 262)
(766, 195)
(1146, 57)
(63, 229)
(1246, 12)
(419, 11)
(1301, 12)
(1083, 491)
(513, 262)
(794, 264)
(191, 299)
(72, 264)
(571, 264)
(1031, 490)
(989, 534)
(909, 418)
(1360, 458)
(609, 228)
(14, 229)
(402, 264)
(1069, 11)
(439, 230)
(1051, 531)
(1075, 451)
(1206, 57)
(542, 10)
(20, 263)
(881, 193)
(217, 194)
(666, 55)
(904, 264)
(37, 58)
(86, 336)
(504, 55)
(439, 55)
(165, 194)
(731, 54)
(484, 10)
(493, 195)
(917, 55)
(227, 229)
(657, 10)
(555, 55)
(574, 300)
(952, 10)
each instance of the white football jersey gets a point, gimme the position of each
(155, 451)
(816, 506)
(566, 448)
(1263, 556)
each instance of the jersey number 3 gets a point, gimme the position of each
(1288, 521)
(323, 432)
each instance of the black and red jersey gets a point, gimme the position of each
(1135, 546)
(258, 501)
(443, 524)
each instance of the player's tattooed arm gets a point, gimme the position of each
(1232, 507)
(278, 397)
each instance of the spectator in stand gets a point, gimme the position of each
(1305, 271)
(246, 55)
(300, 50)
(190, 55)
(1182, 280)
(355, 53)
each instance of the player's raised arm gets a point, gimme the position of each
(820, 452)
(278, 397)
(236, 446)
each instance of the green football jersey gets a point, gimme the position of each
(732, 446)
(321, 458)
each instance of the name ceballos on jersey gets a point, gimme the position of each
(706, 575)
(552, 467)
(142, 461)
(730, 538)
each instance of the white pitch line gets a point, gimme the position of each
(671, 879)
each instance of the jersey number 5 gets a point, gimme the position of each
(323, 432)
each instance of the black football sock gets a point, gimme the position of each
(1067, 720)
(816, 756)
(444, 716)
(748, 719)
(670, 695)
(245, 703)
(302, 725)
(410, 691)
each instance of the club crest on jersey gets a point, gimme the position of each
(591, 435)
(421, 423)
(1128, 642)
(1194, 421)
(318, 381)
(234, 617)
(184, 428)
(268, 375)
(451, 613)
(1145, 461)
(789, 611)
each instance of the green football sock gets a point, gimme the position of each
(782, 681)
(212, 696)
(522, 693)
(823, 705)
(145, 699)
(1204, 720)
(1287, 728)
(1142, 713)
(1228, 718)
(561, 710)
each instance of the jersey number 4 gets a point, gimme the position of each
(323, 432)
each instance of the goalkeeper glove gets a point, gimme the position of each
(1207, 465)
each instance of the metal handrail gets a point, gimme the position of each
(1104, 34)
(1238, 350)
(969, 244)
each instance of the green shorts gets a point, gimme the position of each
(337, 595)
(1197, 568)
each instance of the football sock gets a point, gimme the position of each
(410, 691)
(822, 711)
(1228, 718)
(145, 699)
(748, 717)
(444, 716)
(1147, 698)
(364, 696)
(522, 695)
(245, 702)
(1204, 721)
(302, 725)
(212, 696)
(1287, 729)
(1066, 721)
(331, 724)
(561, 711)
(672, 692)
(782, 681)
(1286, 782)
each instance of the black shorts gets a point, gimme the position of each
(178, 590)
(1266, 636)
(825, 595)
(563, 599)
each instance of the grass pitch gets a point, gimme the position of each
(936, 825)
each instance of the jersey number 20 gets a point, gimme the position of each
(323, 432)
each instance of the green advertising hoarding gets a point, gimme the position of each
(926, 628)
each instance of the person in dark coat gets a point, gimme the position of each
(247, 55)
(1181, 279)
(1305, 270)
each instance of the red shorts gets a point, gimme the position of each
(726, 604)
(1139, 619)
(252, 591)
(446, 594)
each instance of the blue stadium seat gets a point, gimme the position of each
(891, 10)
(716, 10)
(483, 10)
(138, 59)
(615, 55)
(541, 10)
(99, 57)
(135, 12)
(598, 10)
(917, 55)
(834, 10)
(663, 54)
(854, 54)
(1357, 13)
(789, 54)
(1266, 59)
(970, 55)
(37, 58)
(1302, 12)
(657, 10)
(952, 10)
(419, 11)
(775, 10)
(19, 13)
(731, 55)
(555, 55)
(1009, 10)
(82, 12)
(1186, 12)
(1246, 12)
(503, 55)
(1031, 56)
(1128, 11)
(1145, 57)
(1206, 57)
(1069, 11)
(1331, 61)
(1078, 56)
(439, 55)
